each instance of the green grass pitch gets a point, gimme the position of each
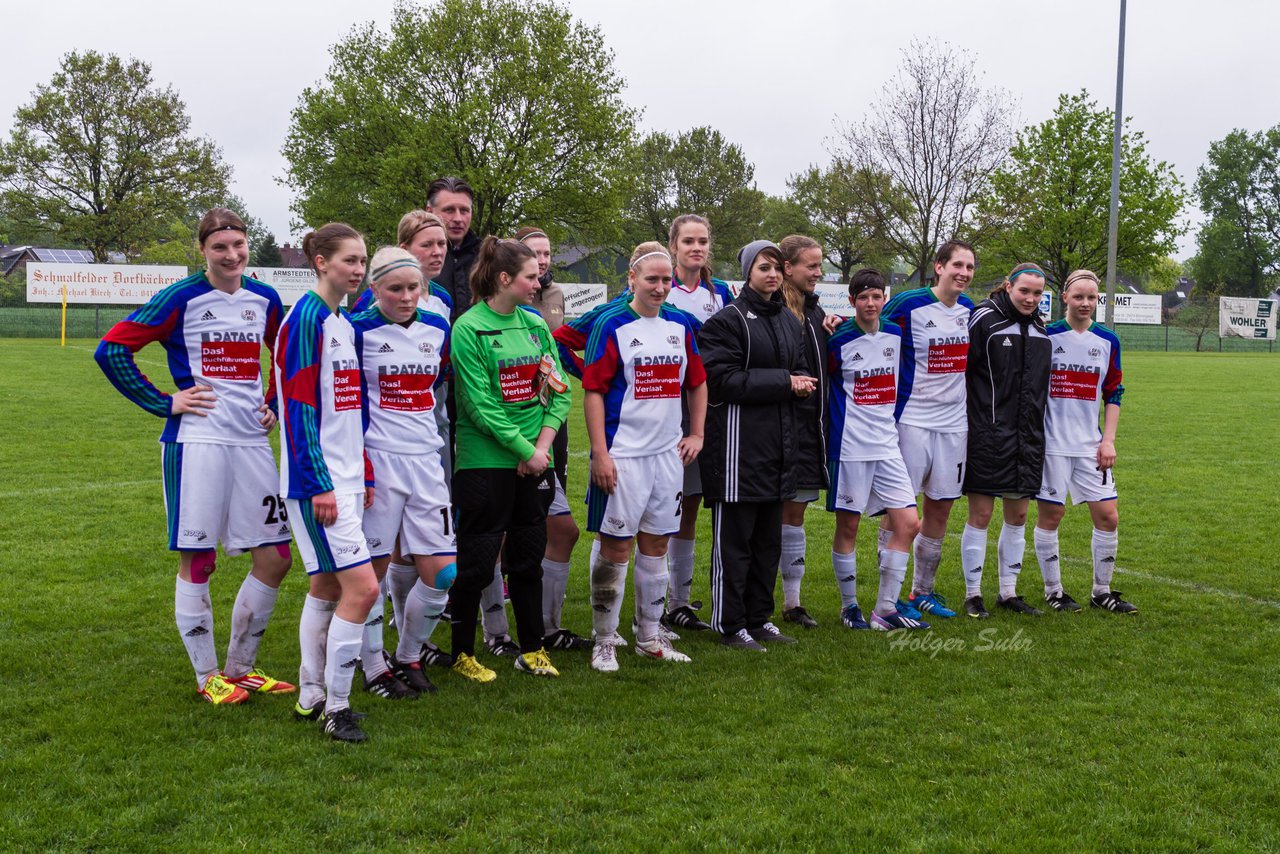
(1089, 731)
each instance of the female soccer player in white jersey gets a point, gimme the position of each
(404, 357)
(932, 421)
(696, 291)
(640, 358)
(802, 270)
(1085, 375)
(866, 466)
(220, 483)
(326, 478)
(1006, 390)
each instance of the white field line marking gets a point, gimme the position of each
(76, 487)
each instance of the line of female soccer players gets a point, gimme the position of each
(752, 405)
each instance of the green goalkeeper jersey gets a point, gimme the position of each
(509, 385)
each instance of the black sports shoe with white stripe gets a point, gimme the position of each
(800, 617)
(565, 639)
(502, 647)
(342, 726)
(1111, 601)
(389, 687)
(1018, 606)
(434, 656)
(684, 617)
(1062, 601)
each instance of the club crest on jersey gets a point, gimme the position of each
(961, 321)
(673, 340)
(1095, 352)
(888, 352)
(534, 339)
(249, 315)
(709, 308)
(425, 348)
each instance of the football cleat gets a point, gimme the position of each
(501, 646)
(800, 617)
(1019, 606)
(434, 656)
(894, 622)
(467, 667)
(741, 640)
(342, 726)
(604, 656)
(906, 610)
(1062, 601)
(302, 713)
(537, 663)
(219, 691)
(388, 687)
(411, 674)
(851, 617)
(933, 604)
(255, 681)
(1111, 601)
(769, 633)
(974, 607)
(565, 639)
(660, 649)
(684, 617)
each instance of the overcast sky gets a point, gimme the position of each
(771, 76)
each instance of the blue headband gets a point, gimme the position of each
(394, 265)
(1035, 270)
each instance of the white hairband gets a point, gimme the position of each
(664, 253)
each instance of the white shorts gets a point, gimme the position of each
(935, 461)
(1077, 475)
(869, 486)
(411, 501)
(337, 547)
(559, 501)
(647, 498)
(227, 493)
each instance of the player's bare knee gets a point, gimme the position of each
(615, 549)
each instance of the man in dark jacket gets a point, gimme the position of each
(452, 199)
(753, 352)
(1007, 383)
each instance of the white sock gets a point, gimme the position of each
(792, 564)
(342, 654)
(607, 580)
(422, 610)
(400, 579)
(375, 664)
(1104, 546)
(249, 618)
(893, 571)
(883, 536)
(846, 569)
(679, 571)
(1046, 545)
(651, 594)
(928, 554)
(193, 612)
(1010, 548)
(973, 553)
(555, 580)
(493, 608)
(313, 635)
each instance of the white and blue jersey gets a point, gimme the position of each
(864, 378)
(701, 300)
(1084, 376)
(402, 369)
(434, 299)
(935, 354)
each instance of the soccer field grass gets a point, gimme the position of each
(1088, 731)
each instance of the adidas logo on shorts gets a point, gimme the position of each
(386, 348)
(208, 315)
(931, 325)
(635, 342)
(284, 529)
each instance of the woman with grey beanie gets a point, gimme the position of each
(753, 354)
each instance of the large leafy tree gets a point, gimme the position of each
(1050, 200)
(104, 158)
(514, 96)
(937, 135)
(841, 203)
(701, 172)
(1239, 190)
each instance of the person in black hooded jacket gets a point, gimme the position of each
(753, 354)
(1007, 382)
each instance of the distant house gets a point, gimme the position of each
(292, 256)
(17, 257)
(588, 265)
(1177, 298)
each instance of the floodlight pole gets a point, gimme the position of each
(1115, 176)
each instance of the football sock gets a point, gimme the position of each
(493, 608)
(973, 552)
(375, 663)
(249, 618)
(651, 594)
(928, 554)
(792, 564)
(313, 636)
(607, 579)
(1104, 545)
(846, 570)
(342, 654)
(1046, 545)
(893, 571)
(555, 580)
(193, 612)
(400, 579)
(422, 610)
(680, 572)
(1010, 548)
